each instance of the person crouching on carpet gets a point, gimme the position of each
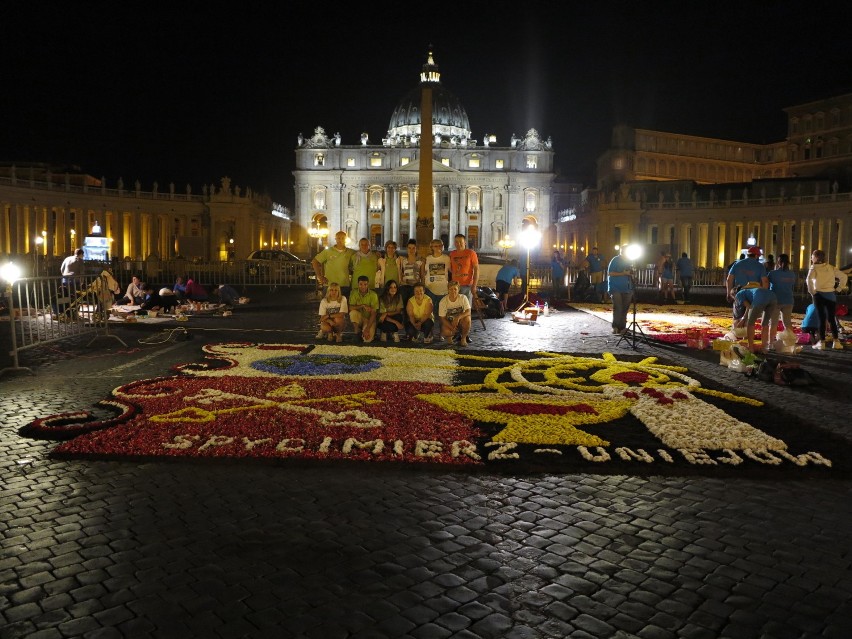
(332, 312)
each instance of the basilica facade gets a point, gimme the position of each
(370, 189)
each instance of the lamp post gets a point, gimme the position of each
(39, 240)
(73, 239)
(318, 233)
(505, 244)
(633, 252)
(530, 238)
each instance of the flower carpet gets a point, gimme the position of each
(670, 322)
(497, 411)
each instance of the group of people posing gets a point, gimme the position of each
(423, 299)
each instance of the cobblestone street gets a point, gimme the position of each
(183, 549)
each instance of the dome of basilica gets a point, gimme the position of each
(449, 119)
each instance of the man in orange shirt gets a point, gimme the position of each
(464, 267)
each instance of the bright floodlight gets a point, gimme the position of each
(633, 252)
(10, 272)
(530, 237)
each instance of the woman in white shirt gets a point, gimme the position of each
(823, 281)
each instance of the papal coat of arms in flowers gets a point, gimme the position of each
(547, 411)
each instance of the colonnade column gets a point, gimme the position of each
(454, 213)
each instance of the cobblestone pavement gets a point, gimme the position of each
(160, 549)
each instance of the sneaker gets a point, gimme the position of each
(838, 345)
(320, 335)
(427, 339)
(419, 338)
(339, 338)
(819, 346)
(384, 337)
(396, 337)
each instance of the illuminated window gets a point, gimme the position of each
(404, 161)
(375, 161)
(473, 162)
(404, 201)
(350, 161)
(498, 164)
(473, 200)
(532, 162)
(618, 163)
(319, 199)
(375, 200)
(319, 159)
(445, 161)
(530, 201)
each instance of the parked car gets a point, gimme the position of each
(274, 262)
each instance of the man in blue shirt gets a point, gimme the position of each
(685, 272)
(745, 271)
(507, 273)
(620, 288)
(751, 303)
(594, 264)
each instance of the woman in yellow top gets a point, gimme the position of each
(419, 311)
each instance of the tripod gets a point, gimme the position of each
(633, 331)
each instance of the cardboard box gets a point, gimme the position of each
(696, 338)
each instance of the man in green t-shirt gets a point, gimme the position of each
(365, 262)
(363, 309)
(334, 264)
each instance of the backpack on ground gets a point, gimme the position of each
(791, 374)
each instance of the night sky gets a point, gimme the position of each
(185, 93)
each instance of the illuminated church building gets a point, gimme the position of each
(481, 190)
(667, 191)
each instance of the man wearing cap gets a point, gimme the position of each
(745, 271)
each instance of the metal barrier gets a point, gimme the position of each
(49, 309)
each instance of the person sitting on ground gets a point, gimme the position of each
(454, 313)
(135, 293)
(227, 295)
(170, 300)
(363, 309)
(332, 312)
(179, 288)
(153, 301)
(391, 317)
(751, 303)
(195, 292)
(419, 311)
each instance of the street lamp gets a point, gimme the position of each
(530, 238)
(633, 252)
(39, 240)
(505, 244)
(318, 232)
(73, 239)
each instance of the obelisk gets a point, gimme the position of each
(425, 200)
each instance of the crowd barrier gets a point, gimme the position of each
(49, 309)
